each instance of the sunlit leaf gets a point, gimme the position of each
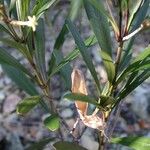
(52, 122)
(41, 7)
(27, 104)
(135, 143)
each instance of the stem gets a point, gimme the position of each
(133, 33)
(127, 15)
(101, 140)
(120, 21)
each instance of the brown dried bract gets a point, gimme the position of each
(78, 86)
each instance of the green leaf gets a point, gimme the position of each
(83, 50)
(22, 7)
(20, 79)
(52, 122)
(136, 143)
(65, 71)
(18, 7)
(41, 7)
(27, 104)
(23, 82)
(101, 29)
(81, 97)
(100, 26)
(106, 100)
(137, 13)
(138, 19)
(75, 9)
(6, 58)
(19, 46)
(40, 47)
(72, 55)
(4, 29)
(67, 146)
(25, 8)
(101, 8)
(12, 5)
(139, 63)
(136, 81)
(143, 55)
(124, 5)
(57, 55)
(40, 144)
(109, 65)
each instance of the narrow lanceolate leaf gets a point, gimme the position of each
(101, 8)
(18, 7)
(106, 100)
(52, 122)
(40, 47)
(67, 146)
(137, 20)
(138, 14)
(22, 8)
(25, 8)
(12, 6)
(84, 52)
(143, 55)
(41, 7)
(23, 82)
(136, 143)
(109, 65)
(75, 9)
(138, 64)
(40, 144)
(135, 7)
(20, 79)
(135, 82)
(20, 47)
(27, 104)
(72, 55)
(57, 56)
(6, 58)
(4, 29)
(81, 97)
(101, 29)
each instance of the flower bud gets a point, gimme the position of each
(146, 24)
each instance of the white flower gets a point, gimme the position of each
(30, 23)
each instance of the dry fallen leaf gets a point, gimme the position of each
(78, 86)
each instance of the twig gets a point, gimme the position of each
(125, 38)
